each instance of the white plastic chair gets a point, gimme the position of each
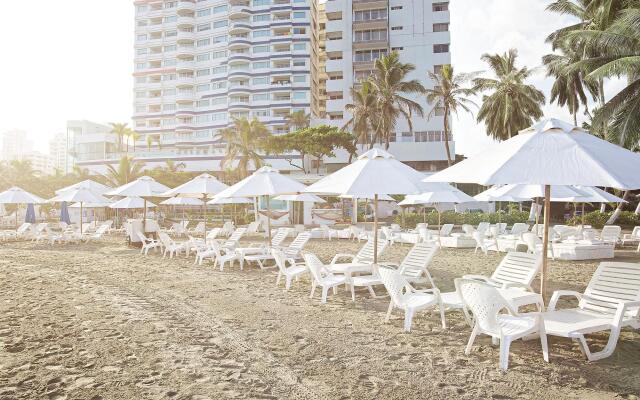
(407, 298)
(289, 273)
(634, 236)
(170, 246)
(519, 228)
(363, 257)
(485, 303)
(148, 243)
(262, 248)
(483, 243)
(483, 226)
(610, 302)
(610, 234)
(322, 276)
(220, 256)
(293, 250)
(534, 244)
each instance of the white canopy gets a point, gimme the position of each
(375, 172)
(230, 200)
(303, 197)
(266, 181)
(550, 152)
(131, 202)
(490, 195)
(204, 185)
(596, 195)
(183, 201)
(80, 195)
(381, 197)
(559, 193)
(16, 195)
(95, 187)
(145, 186)
(90, 205)
(451, 196)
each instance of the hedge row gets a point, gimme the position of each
(409, 220)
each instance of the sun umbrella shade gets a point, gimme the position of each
(490, 195)
(550, 152)
(64, 213)
(204, 184)
(230, 200)
(16, 195)
(375, 172)
(381, 197)
(303, 197)
(131, 202)
(30, 216)
(596, 195)
(91, 205)
(95, 187)
(438, 198)
(83, 195)
(266, 181)
(559, 193)
(182, 201)
(144, 186)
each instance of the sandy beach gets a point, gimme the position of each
(99, 321)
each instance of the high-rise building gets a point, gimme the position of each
(59, 147)
(360, 31)
(40, 162)
(200, 64)
(15, 145)
(92, 145)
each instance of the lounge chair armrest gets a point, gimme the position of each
(341, 255)
(435, 291)
(517, 285)
(478, 278)
(389, 265)
(562, 293)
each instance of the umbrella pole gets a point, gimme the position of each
(375, 228)
(81, 218)
(537, 212)
(204, 210)
(17, 209)
(583, 215)
(268, 218)
(545, 240)
(144, 218)
(366, 203)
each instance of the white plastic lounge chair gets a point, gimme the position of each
(253, 228)
(390, 235)
(293, 251)
(634, 236)
(170, 246)
(22, 231)
(360, 262)
(102, 229)
(519, 228)
(198, 244)
(328, 233)
(52, 237)
(534, 244)
(610, 234)
(221, 255)
(289, 273)
(227, 229)
(486, 304)
(610, 302)
(483, 226)
(407, 298)
(357, 233)
(262, 248)
(199, 228)
(444, 231)
(484, 243)
(322, 276)
(148, 243)
(235, 237)
(210, 250)
(39, 233)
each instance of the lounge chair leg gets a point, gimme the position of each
(386, 318)
(372, 292)
(324, 294)
(287, 283)
(442, 319)
(408, 316)
(353, 293)
(313, 289)
(504, 353)
(472, 338)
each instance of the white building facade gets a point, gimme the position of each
(59, 147)
(15, 145)
(360, 31)
(92, 145)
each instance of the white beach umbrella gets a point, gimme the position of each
(381, 197)
(182, 201)
(16, 195)
(90, 205)
(550, 152)
(440, 195)
(490, 195)
(144, 187)
(132, 202)
(593, 194)
(374, 173)
(559, 193)
(300, 197)
(230, 200)
(79, 195)
(266, 182)
(95, 187)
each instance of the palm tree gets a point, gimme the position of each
(389, 85)
(298, 120)
(244, 140)
(449, 94)
(81, 173)
(513, 104)
(121, 131)
(134, 137)
(363, 112)
(128, 170)
(172, 167)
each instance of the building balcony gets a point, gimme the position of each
(185, 22)
(185, 96)
(185, 65)
(239, 89)
(239, 27)
(371, 24)
(359, 5)
(236, 43)
(239, 12)
(185, 36)
(186, 5)
(185, 51)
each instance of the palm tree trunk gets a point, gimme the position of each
(446, 135)
(575, 117)
(618, 211)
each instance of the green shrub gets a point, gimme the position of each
(598, 219)
(450, 217)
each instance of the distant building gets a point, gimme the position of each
(59, 148)
(91, 145)
(15, 145)
(40, 162)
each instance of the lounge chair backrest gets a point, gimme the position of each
(280, 259)
(102, 229)
(422, 225)
(610, 233)
(531, 240)
(502, 227)
(316, 267)
(165, 239)
(613, 282)
(416, 261)
(424, 234)
(519, 228)
(199, 227)
(636, 232)
(366, 252)
(279, 237)
(468, 229)
(227, 227)
(483, 226)
(484, 301)
(213, 233)
(396, 284)
(387, 232)
(298, 244)
(235, 237)
(446, 229)
(517, 267)
(253, 227)
(537, 229)
(141, 236)
(23, 228)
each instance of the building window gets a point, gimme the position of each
(219, 9)
(374, 35)
(397, 48)
(220, 39)
(203, 27)
(203, 57)
(219, 54)
(299, 63)
(202, 103)
(396, 28)
(261, 18)
(299, 46)
(437, 7)
(220, 24)
(261, 113)
(204, 12)
(370, 15)
(261, 33)
(260, 97)
(259, 3)
(441, 48)
(442, 27)
(260, 80)
(394, 8)
(299, 14)
(260, 49)
(219, 70)
(299, 78)
(202, 72)
(369, 55)
(299, 95)
(260, 64)
(299, 31)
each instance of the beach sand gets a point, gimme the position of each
(99, 321)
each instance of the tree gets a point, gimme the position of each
(298, 120)
(449, 94)
(171, 174)
(244, 141)
(513, 104)
(389, 85)
(134, 137)
(363, 113)
(128, 170)
(121, 131)
(81, 173)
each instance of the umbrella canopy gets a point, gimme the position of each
(30, 216)
(145, 186)
(95, 187)
(559, 193)
(90, 205)
(200, 186)
(452, 197)
(64, 213)
(266, 181)
(374, 172)
(183, 201)
(230, 200)
(381, 197)
(303, 197)
(80, 195)
(550, 152)
(596, 195)
(490, 195)
(16, 195)
(131, 202)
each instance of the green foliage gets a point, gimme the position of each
(451, 217)
(244, 141)
(598, 219)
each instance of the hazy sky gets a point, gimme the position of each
(72, 59)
